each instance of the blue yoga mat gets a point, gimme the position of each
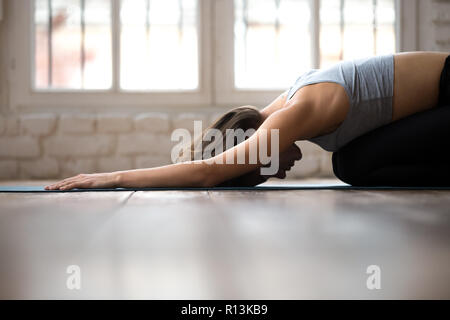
(286, 187)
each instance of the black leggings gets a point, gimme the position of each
(413, 151)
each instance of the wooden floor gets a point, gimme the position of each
(225, 244)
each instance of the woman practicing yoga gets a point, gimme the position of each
(386, 118)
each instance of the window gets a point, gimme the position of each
(158, 38)
(271, 33)
(279, 35)
(158, 45)
(356, 28)
(190, 52)
(73, 44)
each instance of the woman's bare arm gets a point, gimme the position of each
(186, 174)
(295, 121)
(275, 105)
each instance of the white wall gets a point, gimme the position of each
(434, 25)
(49, 143)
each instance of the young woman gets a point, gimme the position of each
(386, 118)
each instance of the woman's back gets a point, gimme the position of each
(416, 82)
(361, 95)
(368, 84)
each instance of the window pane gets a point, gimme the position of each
(272, 42)
(358, 35)
(330, 32)
(159, 45)
(73, 44)
(41, 56)
(356, 28)
(98, 67)
(385, 35)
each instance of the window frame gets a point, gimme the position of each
(216, 65)
(24, 93)
(225, 90)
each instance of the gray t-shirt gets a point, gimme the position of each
(369, 84)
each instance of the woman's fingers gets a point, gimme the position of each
(84, 181)
(81, 183)
(68, 183)
(54, 185)
(64, 182)
(73, 185)
(69, 186)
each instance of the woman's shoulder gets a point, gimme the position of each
(299, 82)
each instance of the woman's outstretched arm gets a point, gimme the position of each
(296, 121)
(185, 174)
(275, 105)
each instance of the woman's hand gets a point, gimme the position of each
(287, 160)
(254, 178)
(250, 179)
(85, 181)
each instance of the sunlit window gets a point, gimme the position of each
(274, 38)
(73, 44)
(159, 44)
(272, 42)
(154, 45)
(356, 28)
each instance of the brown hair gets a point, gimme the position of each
(245, 117)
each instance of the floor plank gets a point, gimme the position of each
(226, 244)
(42, 233)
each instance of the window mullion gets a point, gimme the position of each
(374, 25)
(82, 41)
(342, 27)
(115, 34)
(50, 44)
(315, 33)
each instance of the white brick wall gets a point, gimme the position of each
(19, 147)
(186, 120)
(152, 122)
(8, 169)
(79, 146)
(434, 26)
(144, 143)
(38, 124)
(115, 163)
(77, 124)
(56, 146)
(114, 123)
(43, 168)
(2, 125)
(11, 126)
(73, 167)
